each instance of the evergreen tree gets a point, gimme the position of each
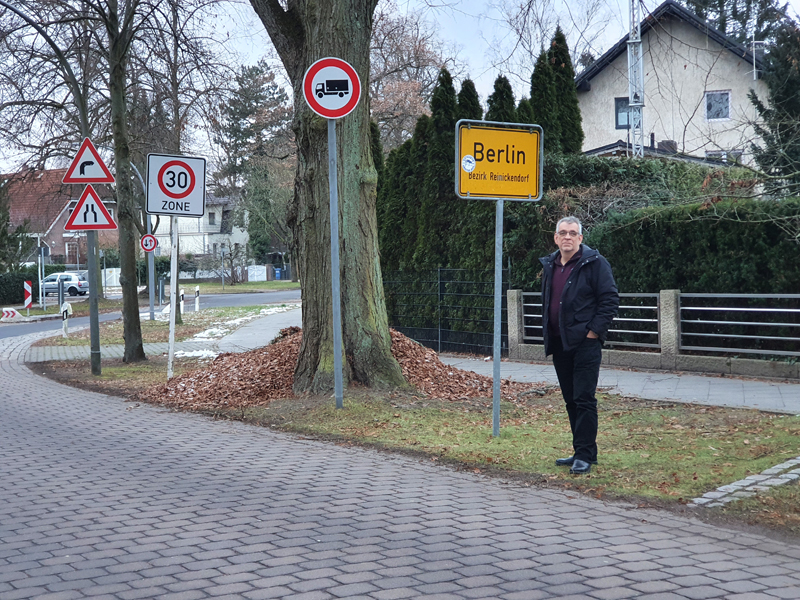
(439, 190)
(412, 180)
(462, 215)
(544, 103)
(242, 127)
(569, 113)
(780, 128)
(376, 147)
(391, 209)
(524, 111)
(469, 104)
(501, 102)
(741, 19)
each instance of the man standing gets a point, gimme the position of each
(579, 301)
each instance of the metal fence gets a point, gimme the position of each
(636, 324)
(757, 324)
(449, 310)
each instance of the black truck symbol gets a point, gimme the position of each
(332, 87)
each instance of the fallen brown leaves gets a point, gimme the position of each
(258, 377)
(423, 369)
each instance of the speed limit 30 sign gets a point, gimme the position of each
(176, 185)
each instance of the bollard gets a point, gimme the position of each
(66, 311)
(196, 298)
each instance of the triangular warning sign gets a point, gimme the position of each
(90, 213)
(88, 167)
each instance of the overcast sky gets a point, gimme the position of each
(477, 30)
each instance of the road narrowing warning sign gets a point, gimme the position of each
(176, 185)
(498, 161)
(90, 213)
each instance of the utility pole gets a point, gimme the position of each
(636, 80)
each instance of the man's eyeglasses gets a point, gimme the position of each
(568, 233)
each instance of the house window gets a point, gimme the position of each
(733, 157)
(718, 106)
(621, 111)
(212, 218)
(226, 226)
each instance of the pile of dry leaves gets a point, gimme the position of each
(257, 377)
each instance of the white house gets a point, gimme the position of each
(207, 235)
(696, 83)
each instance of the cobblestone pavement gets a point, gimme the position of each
(105, 499)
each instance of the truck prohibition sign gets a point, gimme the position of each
(330, 87)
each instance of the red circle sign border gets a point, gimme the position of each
(189, 170)
(148, 236)
(308, 93)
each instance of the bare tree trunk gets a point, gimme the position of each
(307, 31)
(127, 207)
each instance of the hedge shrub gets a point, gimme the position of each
(726, 247)
(12, 288)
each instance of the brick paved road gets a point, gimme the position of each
(103, 499)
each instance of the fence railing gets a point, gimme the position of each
(753, 324)
(636, 324)
(449, 310)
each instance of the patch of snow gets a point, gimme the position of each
(203, 354)
(213, 333)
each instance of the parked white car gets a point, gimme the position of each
(75, 284)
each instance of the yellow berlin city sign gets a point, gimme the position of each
(498, 160)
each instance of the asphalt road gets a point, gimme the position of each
(8, 330)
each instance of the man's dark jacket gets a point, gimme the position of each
(589, 302)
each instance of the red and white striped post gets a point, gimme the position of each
(28, 297)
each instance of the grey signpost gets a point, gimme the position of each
(90, 214)
(176, 187)
(151, 269)
(332, 89)
(498, 161)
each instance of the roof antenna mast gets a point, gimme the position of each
(636, 80)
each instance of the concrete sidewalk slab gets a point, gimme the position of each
(775, 396)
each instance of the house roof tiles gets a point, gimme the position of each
(39, 197)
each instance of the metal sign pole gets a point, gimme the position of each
(151, 274)
(498, 314)
(173, 296)
(336, 294)
(94, 321)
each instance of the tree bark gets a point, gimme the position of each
(127, 207)
(305, 32)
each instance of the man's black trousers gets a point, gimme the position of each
(577, 372)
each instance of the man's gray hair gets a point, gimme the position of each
(574, 220)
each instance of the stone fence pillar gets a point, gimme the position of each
(669, 327)
(516, 329)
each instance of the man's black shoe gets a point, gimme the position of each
(561, 462)
(580, 467)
